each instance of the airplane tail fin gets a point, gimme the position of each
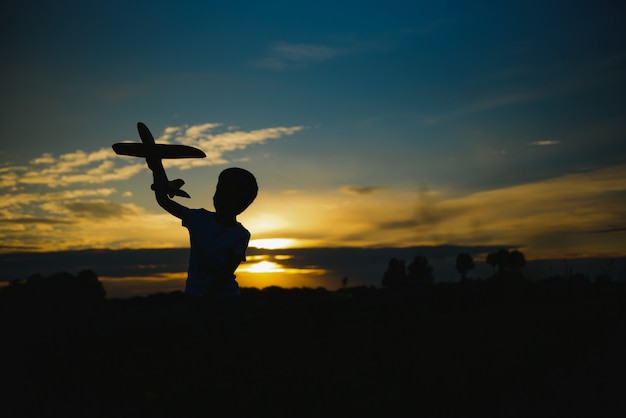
(174, 188)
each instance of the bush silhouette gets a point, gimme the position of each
(512, 261)
(395, 275)
(464, 263)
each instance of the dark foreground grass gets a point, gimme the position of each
(477, 349)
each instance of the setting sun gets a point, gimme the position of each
(263, 267)
(272, 243)
(260, 273)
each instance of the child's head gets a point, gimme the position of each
(236, 190)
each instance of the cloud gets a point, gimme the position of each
(70, 168)
(360, 190)
(538, 216)
(535, 215)
(608, 230)
(30, 220)
(85, 224)
(544, 143)
(12, 248)
(400, 224)
(46, 158)
(103, 165)
(92, 209)
(104, 173)
(284, 55)
(488, 101)
(9, 176)
(197, 130)
(217, 144)
(49, 202)
(14, 201)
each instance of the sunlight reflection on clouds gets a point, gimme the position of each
(549, 217)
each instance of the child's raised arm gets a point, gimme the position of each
(160, 191)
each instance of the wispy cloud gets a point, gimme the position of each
(216, 144)
(9, 176)
(401, 224)
(571, 215)
(360, 190)
(284, 55)
(15, 200)
(103, 166)
(488, 101)
(544, 143)
(33, 221)
(91, 209)
(549, 218)
(71, 168)
(87, 224)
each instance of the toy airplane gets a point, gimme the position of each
(154, 153)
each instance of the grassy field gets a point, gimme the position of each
(489, 348)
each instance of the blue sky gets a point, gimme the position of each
(429, 80)
(367, 123)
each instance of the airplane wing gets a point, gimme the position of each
(162, 151)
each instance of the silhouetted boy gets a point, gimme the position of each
(218, 246)
(218, 241)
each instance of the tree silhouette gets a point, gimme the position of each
(506, 261)
(395, 276)
(517, 261)
(492, 260)
(420, 272)
(464, 263)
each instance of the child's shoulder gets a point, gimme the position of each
(199, 212)
(197, 216)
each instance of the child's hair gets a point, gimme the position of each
(243, 182)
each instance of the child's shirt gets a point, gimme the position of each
(211, 246)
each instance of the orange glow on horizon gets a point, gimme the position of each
(123, 287)
(273, 243)
(259, 273)
(263, 267)
(262, 273)
(571, 215)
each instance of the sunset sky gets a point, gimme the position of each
(367, 124)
